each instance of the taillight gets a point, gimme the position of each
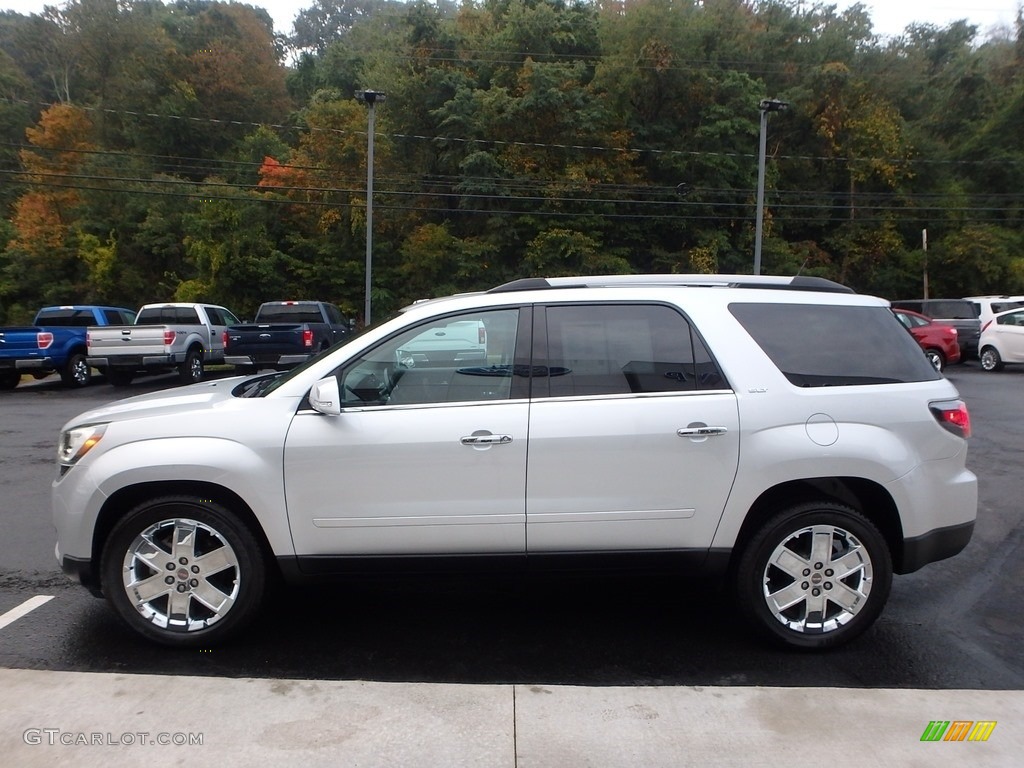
(224, 339)
(481, 335)
(88, 339)
(44, 339)
(953, 415)
(168, 336)
(307, 338)
(986, 325)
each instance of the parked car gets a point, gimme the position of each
(1002, 340)
(960, 313)
(990, 306)
(284, 334)
(178, 337)
(54, 343)
(938, 340)
(793, 443)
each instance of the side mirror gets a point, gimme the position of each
(325, 397)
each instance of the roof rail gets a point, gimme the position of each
(777, 282)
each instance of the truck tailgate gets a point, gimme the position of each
(256, 340)
(127, 340)
(19, 341)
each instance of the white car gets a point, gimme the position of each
(792, 442)
(990, 306)
(1002, 340)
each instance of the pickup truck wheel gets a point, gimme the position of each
(76, 371)
(191, 371)
(120, 378)
(9, 379)
(183, 571)
(815, 576)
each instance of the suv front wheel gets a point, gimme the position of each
(814, 576)
(183, 571)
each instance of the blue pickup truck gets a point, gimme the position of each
(54, 343)
(284, 334)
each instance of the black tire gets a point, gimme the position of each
(9, 379)
(157, 554)
(779, 562)
(119, 377)
(191, 371)
(990, 359)
(75, 372)
(936, 358)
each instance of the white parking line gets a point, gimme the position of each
(27, 607)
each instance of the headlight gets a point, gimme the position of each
(75, 443)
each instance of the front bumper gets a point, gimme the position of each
(80, 570)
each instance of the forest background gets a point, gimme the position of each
(184, 151)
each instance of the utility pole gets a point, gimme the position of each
(924, 247)
(370, 98)
(766, 106)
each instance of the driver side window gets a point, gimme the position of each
(458, 358)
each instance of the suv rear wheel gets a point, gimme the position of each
(183, 571)
(814, 576)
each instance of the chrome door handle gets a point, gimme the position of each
(487, 440)
(701, 431)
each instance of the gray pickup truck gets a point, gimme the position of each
(165, 337)
(284, 334)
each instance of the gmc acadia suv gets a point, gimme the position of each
(784, 435)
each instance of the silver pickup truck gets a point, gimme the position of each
(165, 337)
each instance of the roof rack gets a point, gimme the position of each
(777, 282)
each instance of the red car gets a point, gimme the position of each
(938, 340)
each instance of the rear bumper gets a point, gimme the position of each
(35, 364)
(135, 361)
(267, 360)
(934, 545)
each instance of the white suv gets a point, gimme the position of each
(749, 427)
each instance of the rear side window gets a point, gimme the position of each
(827, 346)
(624, 349)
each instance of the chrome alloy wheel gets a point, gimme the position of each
(181, 575)
(817, 579)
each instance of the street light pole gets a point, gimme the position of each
(370, 98)
(766, 106)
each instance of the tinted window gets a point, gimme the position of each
(1014, 318)
(821, 346)
(624, 349)
(455, 359)
(185, 316)
(290, 313)
(65, 318)
(1005, 306)
(947, 309)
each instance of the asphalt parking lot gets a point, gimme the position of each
(610, 671)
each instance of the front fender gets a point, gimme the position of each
(253, 475)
